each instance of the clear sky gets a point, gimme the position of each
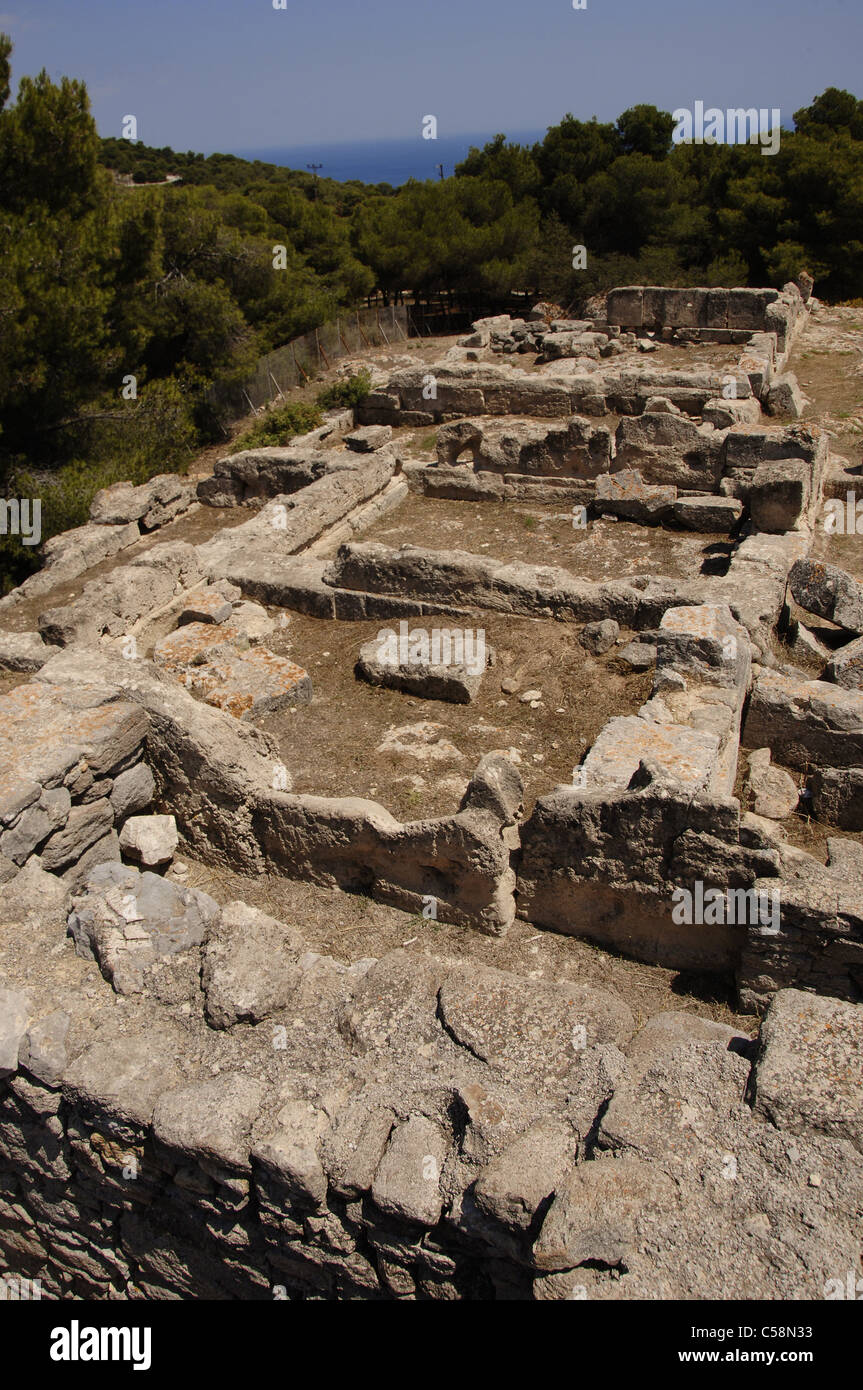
(237, 74)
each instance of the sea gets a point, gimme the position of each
(384, 161)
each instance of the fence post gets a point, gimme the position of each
(297, 365)
(321, 352)
(362, 334)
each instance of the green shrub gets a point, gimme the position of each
(279, 425)
(348, 393)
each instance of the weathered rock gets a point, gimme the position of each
(540, 1029)
(809, 1072)
(599, 637)
(805, 722)
(253, 622)
(206, 606)
(723, 414)
(152, 503)
(638, 656)
(23, 651)
(706, 644)
(34, 826)
(670, 450)
(780, 495)
(516, 1186)
(43, 1048)
(828, 592)
(132, 791)
(250, 684)
(369, 438)
(845, 667)
(249, 966)
(598, 1213)
(407, 1183)
(151, 840)
(456, 676)
(15, 1014)
(33, 893)
(290, 1152)
(837, 796)
(127, 921)
(774, 792)
(211, 1118)
(84, 826)
(710, 514)
(109, 606)
(626, 494)
(784, 396)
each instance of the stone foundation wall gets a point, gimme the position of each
(409, 1128)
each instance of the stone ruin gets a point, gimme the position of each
(195, 1102)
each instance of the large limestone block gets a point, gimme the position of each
(809, 1072)
(626, 494)
(686, 756)
(452, 680)
(706, 644)
(212, 1119)
(249, 966)
(828, 592)
(530, 1029)
(599, 1212)
(780, 495)
(407, 1184)
(805, 722)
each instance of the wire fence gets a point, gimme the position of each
(304, 359)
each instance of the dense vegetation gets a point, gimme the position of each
(127, 302)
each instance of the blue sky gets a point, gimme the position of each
(237, 74)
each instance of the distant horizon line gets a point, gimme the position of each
(389, 139)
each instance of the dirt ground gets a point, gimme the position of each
(538, 534)
(333, 747)
(350, 927)
(827, 360)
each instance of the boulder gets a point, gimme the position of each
(23, 651)
(127, 921)
(132, 792)
(369, 438)
(828, 592)
(250, 966)
(779, 495)
(152, 840)
(599, 637)
(407, 1184)
(710, 514)
(774, 792)
(626, 494)
(845, 667)
(206, 606)
(784, 396)
(599, 1211)
(809, 1073)
(449, 678)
